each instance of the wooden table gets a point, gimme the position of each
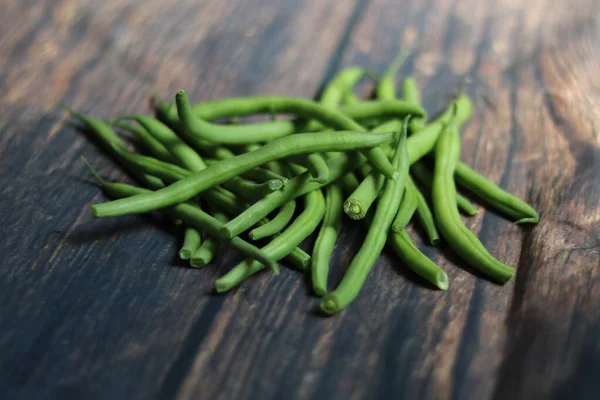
(102, 309)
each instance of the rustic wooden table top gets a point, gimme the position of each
(102, 309)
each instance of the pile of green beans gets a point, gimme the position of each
(262, 188)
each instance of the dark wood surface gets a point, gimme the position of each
(101, 309)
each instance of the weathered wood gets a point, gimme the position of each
(103, 308)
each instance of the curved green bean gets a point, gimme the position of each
(463, 241)
(315, 164)
(282, 245)
(330, 229)
(418, 262)
(277, 224)
(404, 248)
(185, 189)
(191, 242)
(495, 197)
(298, 186)
(376, 236)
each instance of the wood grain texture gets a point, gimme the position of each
(103, 309)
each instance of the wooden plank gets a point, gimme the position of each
(99, 308)
(102, 308)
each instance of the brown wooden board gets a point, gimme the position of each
(101, 309)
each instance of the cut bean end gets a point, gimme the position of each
(441, 281)
(532, 220)
(185, 254)
(329, 304)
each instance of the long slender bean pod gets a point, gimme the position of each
(494, 196)
(277, 224)
(303, 108)
(425, 178)
(375, 240)
(185, 189)
(283, 244)
(330, 229)
(463, 241)
(407, 209)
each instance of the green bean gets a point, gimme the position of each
(208, 250)
(303, 108)
(249, 190)
(191, 242)
(187, 188)
(190, 214)
(330, 229)
(299, 259)
(277, 224)
(170, 173)
(425, 217)
(315, 164)
(465, 243)
(405, 249)
(345, 80)
(283, 244)
(494, 196)
(109, 140)
(386, 87)
(206, 253)
(425, 178)
(367, 110)
(410, 92)
(161, 132)
(152, 145)
(364, 260)
(423, 141)
(298, 186)
(407, 209)
(418, 262)
(358, 203)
